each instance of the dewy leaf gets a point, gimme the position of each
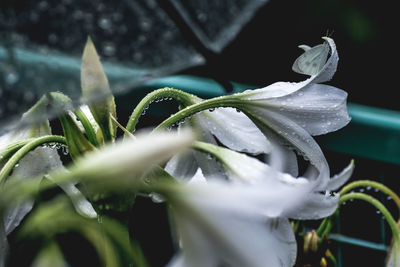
(96, 91)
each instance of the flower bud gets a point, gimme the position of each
(96, 91)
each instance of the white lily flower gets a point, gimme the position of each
(236, 224)
(290, 113)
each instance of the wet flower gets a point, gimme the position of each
(235, 224)
(289, 114)
(244, 221)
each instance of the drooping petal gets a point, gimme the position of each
(317, 206)
(340, 179)
(234, 130)
(329, 69)
(278, 127)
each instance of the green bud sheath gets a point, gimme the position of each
(96, 91)
(76, 140)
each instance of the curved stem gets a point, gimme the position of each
(377, 204)
(323, 226)
(14, 159)
(182, 97)
(217, 102)
(373, 184)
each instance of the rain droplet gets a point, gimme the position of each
(43, 5)
(11, 77)
(105, 23)
(361, 190)
(52, 38)
(378, 212)
(389, 198)
(368, 188)
(211, 109)
(109, 49)
(65, 150)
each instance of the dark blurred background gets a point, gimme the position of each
(364, 32)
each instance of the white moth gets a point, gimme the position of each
(312, 60)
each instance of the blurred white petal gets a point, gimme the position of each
(237, 224)
(130, 156)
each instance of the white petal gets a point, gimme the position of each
(39, 161)
(282, 159)
(198, 177)
(277, 89)
(317, 206)
(235, 130)
(394, 255)
(126, 157)
(81, 204)
(318, 108)
(182, 166)
(276, 126)
(340, 179)
(210, 167)
(224, 222)
(330, 67)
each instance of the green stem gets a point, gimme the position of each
(12, 148)
(14, 159)
(180, 96)
(322, 227)
(378, 205)
(217, 102)
(368, 183)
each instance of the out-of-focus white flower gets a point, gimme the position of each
(236, 224)
(244, 221)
